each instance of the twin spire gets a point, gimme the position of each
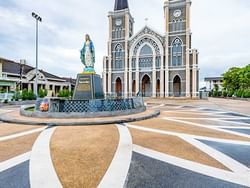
(121, 4)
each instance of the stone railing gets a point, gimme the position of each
(62, 108)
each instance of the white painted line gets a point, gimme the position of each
(222, 158)
(159, 106)
(41, 170)
(117, 172)
(242, 179)
(197, 113)
(208, 127)
(232, 127)
(13, 136)
(190, 135)
(184, 112)
(5, 165)
(232, 122)
(201, 110)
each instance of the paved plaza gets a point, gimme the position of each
(191, 144)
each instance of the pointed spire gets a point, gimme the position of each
(121, 4)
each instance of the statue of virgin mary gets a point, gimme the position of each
(88, 55)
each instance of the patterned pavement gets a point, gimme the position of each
(186, 146)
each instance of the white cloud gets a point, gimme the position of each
(220, 31)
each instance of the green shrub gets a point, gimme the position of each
(64, 93)
(230, 93)
(210, 94)
(31, 95)
(215, 93)
(239, 93)
(224, 93)
(219, 93)
(246, 93)
(17, 96)
(3, 91)
(42, 93)
(24, 94)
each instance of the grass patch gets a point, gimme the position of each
(30, 109)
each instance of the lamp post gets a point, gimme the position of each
(22, 64)
(38, 18)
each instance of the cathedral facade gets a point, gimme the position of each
(150, 63)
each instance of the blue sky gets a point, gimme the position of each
(221, 31)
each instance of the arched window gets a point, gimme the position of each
(177, 52)
(118, 56)
(146, 50)
(118, 51)
(146, 57)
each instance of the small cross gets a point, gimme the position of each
(146, 21)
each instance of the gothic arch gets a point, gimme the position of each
(143, 45)
(151, 37)
(175, 39)
(118, 87)
(146, 86)
(177, 53)
(177, 82)
(118, 54)
(118, 45)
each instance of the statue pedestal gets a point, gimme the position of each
(88, 86)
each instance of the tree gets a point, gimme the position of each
(236, 81)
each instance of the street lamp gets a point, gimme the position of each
(38, 18)
(22, 64)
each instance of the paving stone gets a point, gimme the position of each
(16, 177)
(146, 172)
(235, 151)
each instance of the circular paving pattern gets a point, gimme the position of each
(186, 146)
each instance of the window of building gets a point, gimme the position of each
(118, 57)
(177, 25)
(146, 62)
(146, 50)
(146, 57)
(177, 52)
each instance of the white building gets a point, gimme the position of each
(148, 62)
(212, 81)
(13, 75)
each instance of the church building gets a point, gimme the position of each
(150, 63)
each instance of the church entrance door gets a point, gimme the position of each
(133, 88)
(158, 88)
(146, 86)
(177, 86)
(118, 87)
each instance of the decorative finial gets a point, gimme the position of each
(146, 21)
